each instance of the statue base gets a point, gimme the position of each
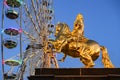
(76, 74)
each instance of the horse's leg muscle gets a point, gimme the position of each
(87, 61)
(85, 58)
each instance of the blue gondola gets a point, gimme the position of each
(12, 14)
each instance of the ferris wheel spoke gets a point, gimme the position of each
(55, 62)
(37, 18)
(32, 20)
(29, 35)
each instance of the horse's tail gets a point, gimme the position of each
(105, 58)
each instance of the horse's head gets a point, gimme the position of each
(61, 29)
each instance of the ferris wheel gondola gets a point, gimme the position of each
(50, 28)
(12, 62)
(49, 11)
(11, 76)
(50, 25)
(12, 14)
(46, 3)
(14, 3)
(11, 31)
(10, 43)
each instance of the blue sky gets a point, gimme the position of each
(102, 24)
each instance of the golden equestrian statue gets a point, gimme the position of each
(76, 45)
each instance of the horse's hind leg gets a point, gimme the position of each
(87, 62)
(85, 58)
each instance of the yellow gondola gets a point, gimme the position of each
(12, 62)
(12, 14)
(10, 43)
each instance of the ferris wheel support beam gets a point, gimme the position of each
(2, 53)
(21, 56)
(21, 34)
(37, 4)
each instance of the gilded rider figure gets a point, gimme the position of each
(76, 35)
(78, 30)
(76, 45)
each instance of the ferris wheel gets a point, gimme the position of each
(26, 42)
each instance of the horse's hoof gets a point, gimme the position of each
(61, 60)
(89, 66)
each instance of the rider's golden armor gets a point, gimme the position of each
(76, 35)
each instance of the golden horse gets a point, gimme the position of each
(85, 49)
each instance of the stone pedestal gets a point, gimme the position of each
(76, 74)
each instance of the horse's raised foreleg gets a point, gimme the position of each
(63, 59)
(54, 43)
(63, 43)
(85, 58)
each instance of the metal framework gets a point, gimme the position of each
(35, 25)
